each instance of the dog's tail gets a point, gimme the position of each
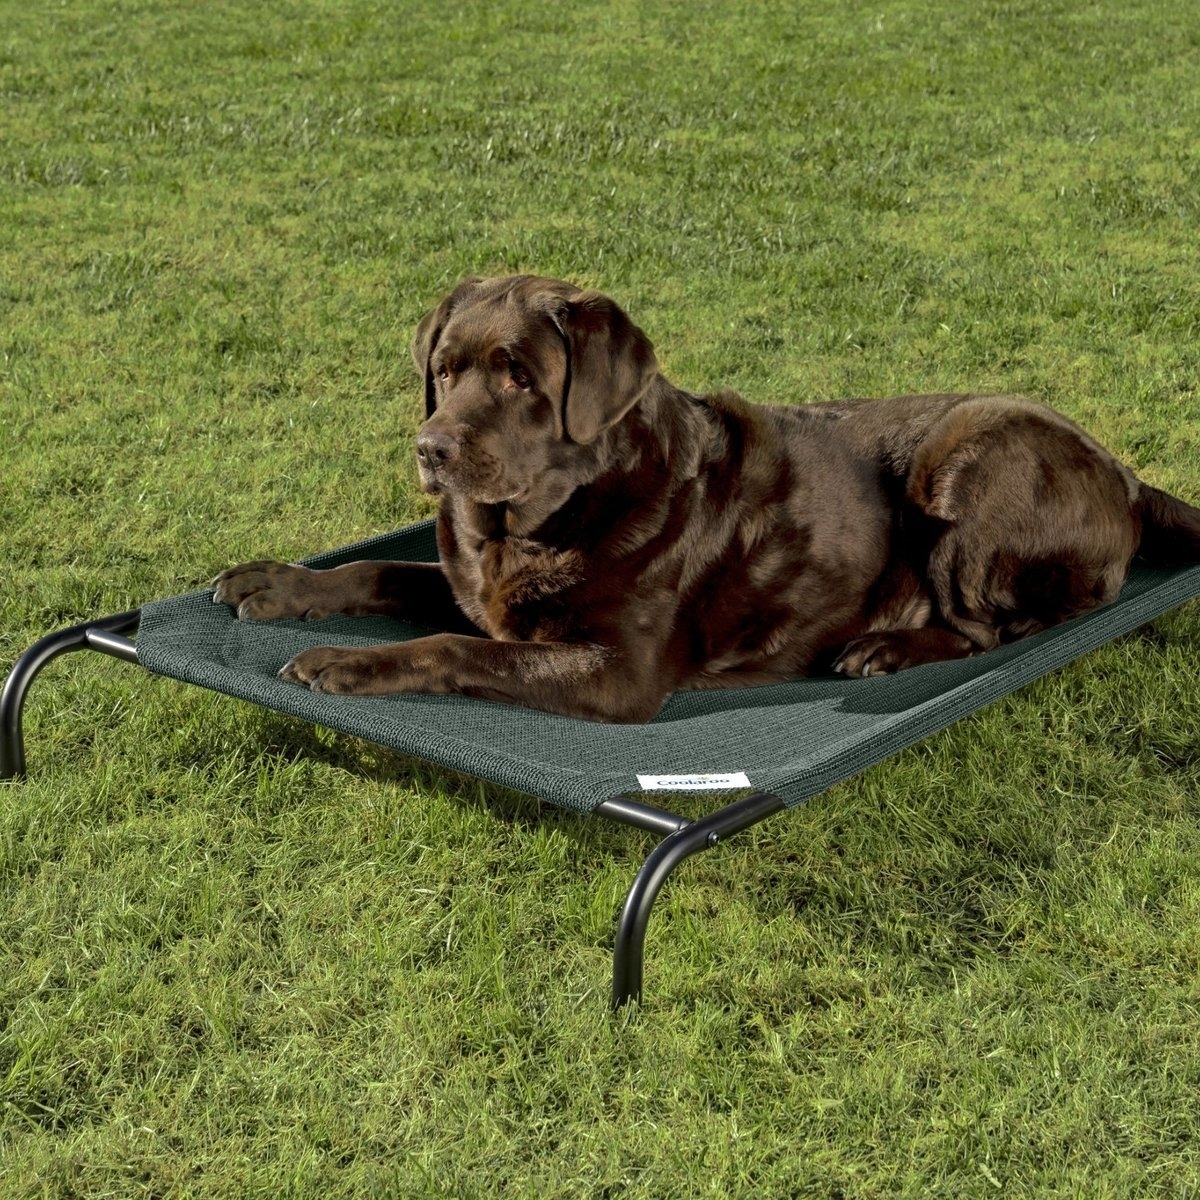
(1170, 528)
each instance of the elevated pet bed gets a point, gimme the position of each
(776, 745)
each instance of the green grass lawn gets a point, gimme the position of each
(243, 957)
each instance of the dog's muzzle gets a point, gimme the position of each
(436, 449)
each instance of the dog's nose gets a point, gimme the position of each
(435, 449)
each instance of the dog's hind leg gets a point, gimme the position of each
(891, 650)
(904, 629)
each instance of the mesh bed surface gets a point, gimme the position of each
(793, 739)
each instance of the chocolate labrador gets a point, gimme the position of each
(607, 538)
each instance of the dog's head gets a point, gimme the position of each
(522, 376)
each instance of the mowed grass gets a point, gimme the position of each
(245, 957)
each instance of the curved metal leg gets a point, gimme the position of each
(664, 858)
(102, 635)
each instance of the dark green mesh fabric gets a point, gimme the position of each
(793, 739)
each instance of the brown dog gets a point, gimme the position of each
(607, 538)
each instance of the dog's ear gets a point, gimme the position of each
(610, 363)
(429, 331)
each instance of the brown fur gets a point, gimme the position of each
(606, 538)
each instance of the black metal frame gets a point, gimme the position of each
(686, 839)
(682, 837)
(103, 635)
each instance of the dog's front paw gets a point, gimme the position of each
(343, 670)
(270, 591)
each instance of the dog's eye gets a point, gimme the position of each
(520, 377)
(443, 372)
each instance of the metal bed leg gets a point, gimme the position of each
(102, 634)
(663, 859)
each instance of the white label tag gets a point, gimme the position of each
(700, 782)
